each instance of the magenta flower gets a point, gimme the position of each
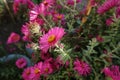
(112, 72)
(48, 3)
(26, 74)
(93, 3)
(118, 12)
(99, 38)
(36, 71)
(47, 68)
(82, 68)
(33, 14)
(51, 38)
(107, 5)
(21, 63)
(109, 21)
(13, 38)
(58, 17)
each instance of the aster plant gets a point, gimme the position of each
(71, 39)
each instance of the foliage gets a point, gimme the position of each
(90, 44)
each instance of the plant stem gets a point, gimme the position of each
(7, 7)
(46, 21)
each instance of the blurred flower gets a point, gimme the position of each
(67, 63)
(81, 67)
(51, 38)
(21, 63)
(36, 71)
(58, 17)
(47, 68)
(99, 38)
(93, 3)
(109, 21)
(13, 38)
(26, 74)
(113, 72)
(48, 3)
(107, 5)
(33, 13)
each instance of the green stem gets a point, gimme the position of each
(66, 6)
(7, 7)
(46, 21)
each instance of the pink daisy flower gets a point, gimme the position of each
(107, 5)
(81, 67)
(51, 38)
(58, 17)
(48, 3)
(13, 38)
(26, 74)
(113, 72)
(36, 71)
(21, 63)
(47, 68)
(33, 14)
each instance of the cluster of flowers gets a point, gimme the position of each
(46, 29)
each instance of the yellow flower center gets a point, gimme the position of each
(46, 70)
(51, 38)
(28, 72)
(59, 17)
(45, 3)
(36, 71)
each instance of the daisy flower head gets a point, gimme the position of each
(107, 5)
(58, 17)
(51, 38)
(33, 14)
(21, 63)
(112, 72)
(47, 68)
(48, 3)
(36, 71)
(26, 74)
(13, 38)
(81, 67)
